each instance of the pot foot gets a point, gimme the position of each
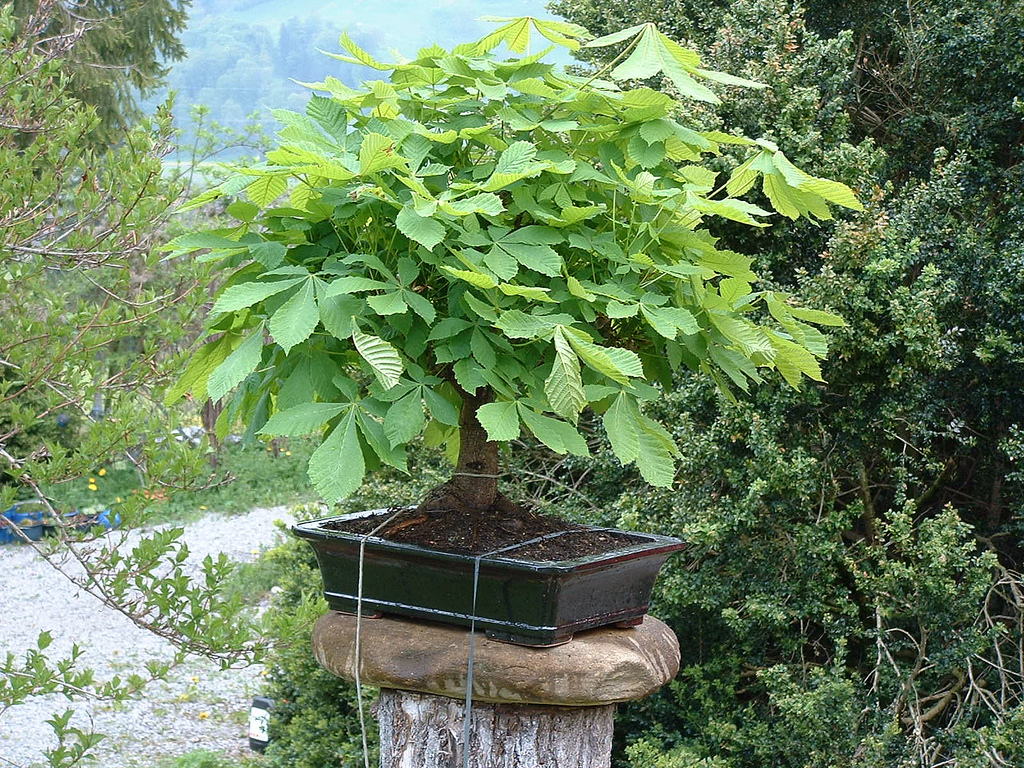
(526, 642)
(374, 615)
(627, 623)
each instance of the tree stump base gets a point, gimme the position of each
(531, 707)
(418, 729)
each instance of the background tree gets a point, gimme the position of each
(122, 54)
(89, 312)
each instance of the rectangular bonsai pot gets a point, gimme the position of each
(518, 601)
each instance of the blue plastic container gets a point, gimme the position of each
(29, 520)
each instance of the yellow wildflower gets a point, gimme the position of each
(102, 472)
(93, 487)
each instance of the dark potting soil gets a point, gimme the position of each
(485, 532)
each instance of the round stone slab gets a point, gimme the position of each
(602, 666)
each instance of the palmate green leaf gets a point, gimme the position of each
(620, 425)
(236, 297)
(515, 163)
(515, 33)
(517, 158)
(735, 210)
(655, 457)
(448, 327)
(390, 303)
(482, 349)
(373, 434)
(377, 153)
(195, 241)
(237, 366)
(617, 364)
(425, 231)
(833, 191)
(668, 321)
(206, 360)
(816, 316)
(354, 284)
(359, 56)
(266, 190)
(486, 203)
(735, 365)
(531, 247)
(405, 418)
(501, 263)
(420, 305)
(792, 192)
(303, 419)
(564, 387)
(576, 289)
(655, 53)
(750, 338)
(519, 325)
(479, 279)
(382, 358)
(794, 361)
(500, 420)
(539, 258)
(638, 438)
(557, 435)
(331, 115)
(440, 407)
(268, 253)
(618, 310)
(296, 319)
(615, 37)
(336, 468)
(527, 292)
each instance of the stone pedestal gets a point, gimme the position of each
(532, 707)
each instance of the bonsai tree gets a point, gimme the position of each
(474, 245)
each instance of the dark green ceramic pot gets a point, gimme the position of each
(519, 601)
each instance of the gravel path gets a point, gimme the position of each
(198, 707)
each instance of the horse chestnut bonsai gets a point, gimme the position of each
(474, 245)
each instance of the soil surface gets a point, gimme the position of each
(487, 532)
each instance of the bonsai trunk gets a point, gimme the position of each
(474, 484)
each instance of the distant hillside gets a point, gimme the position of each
(243, 54)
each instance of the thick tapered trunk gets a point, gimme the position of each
(474, 483)
(476, 473)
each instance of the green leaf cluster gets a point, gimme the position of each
(467, 221)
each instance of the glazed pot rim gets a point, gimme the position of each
(649, 544)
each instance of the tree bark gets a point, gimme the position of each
(477, 455)
(426, 731)
(473, 486)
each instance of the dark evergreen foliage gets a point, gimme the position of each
(124, 52)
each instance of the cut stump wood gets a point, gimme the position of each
(531, 707)
(426, 731)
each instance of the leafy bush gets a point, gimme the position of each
(852, 582)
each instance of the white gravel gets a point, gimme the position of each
(198, 707)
